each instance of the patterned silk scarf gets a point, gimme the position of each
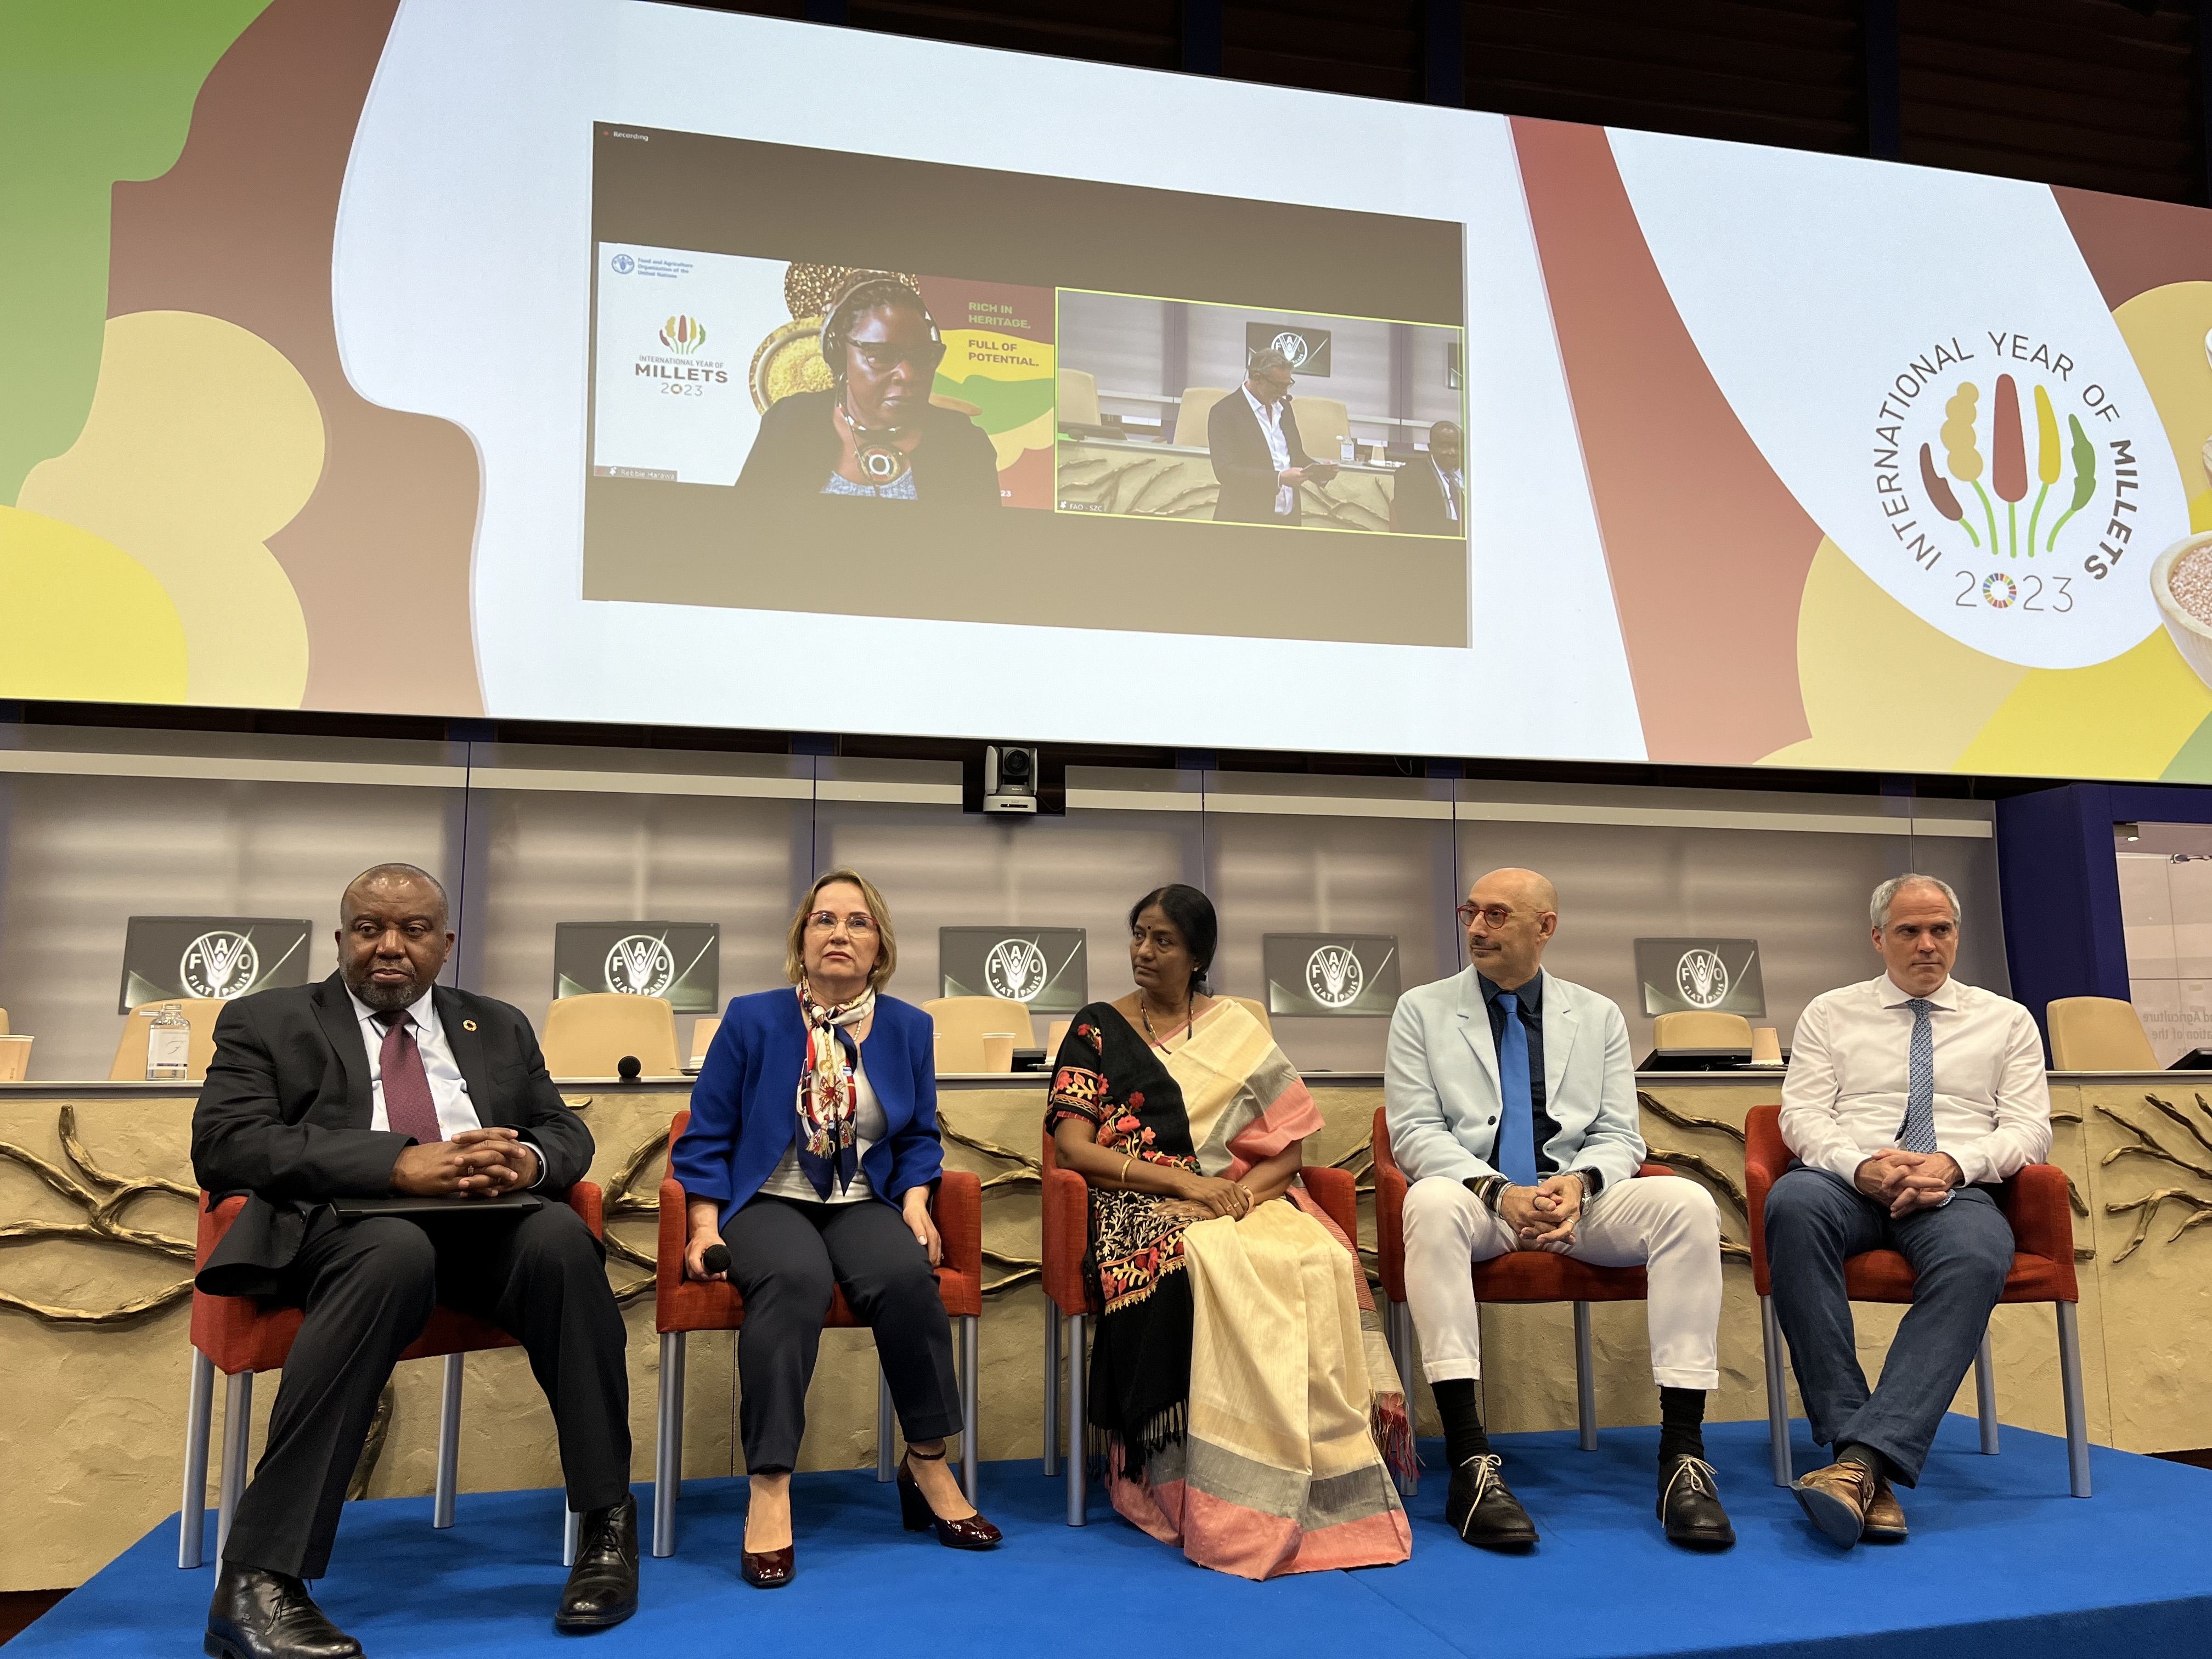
(829, 1096)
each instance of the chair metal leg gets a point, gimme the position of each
(199, 1414)
(668, 1444)
(449, 1445)
(1777, 1394)
(1985, 1394)
(572, 1527)
(886, 1422)
(1585, 1384)
(971, 1388)
(237, 1431)
(1051, 1388)
(2077, 1416)
(1079, 1413)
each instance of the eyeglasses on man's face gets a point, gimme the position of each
(828, 921)
(1493, 916)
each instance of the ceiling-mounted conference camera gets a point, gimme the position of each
(1010, 778)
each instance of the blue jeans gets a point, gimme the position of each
(1959, 1253)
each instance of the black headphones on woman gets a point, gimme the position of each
(862, 293)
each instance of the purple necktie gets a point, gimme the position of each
(407, 1106)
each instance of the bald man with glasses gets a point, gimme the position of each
(1511, 1103)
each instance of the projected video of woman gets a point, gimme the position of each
(874, 431)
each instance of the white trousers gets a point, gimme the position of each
(1667, 1225)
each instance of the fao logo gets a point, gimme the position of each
(1333, 977)
(1701, 978)
(623, 263)
(1293, 345)
(1015, 969)
(640, 966)
(219, 966)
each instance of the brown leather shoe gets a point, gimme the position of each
(1836, 1500)
(1884, 1517)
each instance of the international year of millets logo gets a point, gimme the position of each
(684, 334)
(1945, 459)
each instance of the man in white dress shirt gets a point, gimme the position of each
(1908, 1097)
(328, 1103)
(1259, 459)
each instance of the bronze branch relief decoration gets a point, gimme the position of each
(2194, 1160)
(1701, 1166)
(104, 1198)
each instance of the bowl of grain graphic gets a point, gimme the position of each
(2181, 582)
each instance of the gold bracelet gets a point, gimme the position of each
(1122, 1179)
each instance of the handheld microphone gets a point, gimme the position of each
(717, 1259)
(628, 1068)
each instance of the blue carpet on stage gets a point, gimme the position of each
(2001, 1562)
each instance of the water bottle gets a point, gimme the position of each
(169, 1046)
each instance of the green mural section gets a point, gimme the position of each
(92, 92)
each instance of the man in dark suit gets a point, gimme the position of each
(379, 1083)
(1252, 434)
(1428, 497)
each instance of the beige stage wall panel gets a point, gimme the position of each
(97, 1409)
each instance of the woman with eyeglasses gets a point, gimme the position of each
(811, 1156)
(874, 432)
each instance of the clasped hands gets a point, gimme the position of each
(1907, 1181)
(1544, 1214)
(474, 1163)
(1203, 1198)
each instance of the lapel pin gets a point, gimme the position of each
(468, 1025)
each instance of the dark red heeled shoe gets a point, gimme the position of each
(770, 1569)
(971, 1533)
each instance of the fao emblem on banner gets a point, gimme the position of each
(640, 966)
(219, 965)
(1333, 977)
(1701, 978)
(1015, 969)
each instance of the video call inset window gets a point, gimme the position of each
(805, 362)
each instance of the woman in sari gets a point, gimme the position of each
(1239, 1377)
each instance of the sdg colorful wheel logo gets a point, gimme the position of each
(1999, 590)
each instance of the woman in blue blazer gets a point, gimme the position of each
(811, 1156)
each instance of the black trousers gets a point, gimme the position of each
(784, 1258)
(367, 1287)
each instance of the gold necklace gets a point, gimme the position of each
(1145, 1014)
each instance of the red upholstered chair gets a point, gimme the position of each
(1066, 1236)
(2035, 1201)
(683, 1305)
(1517, 1276)
(233, 1334)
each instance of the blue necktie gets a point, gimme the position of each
(1515, 1154)
(1917, 1133)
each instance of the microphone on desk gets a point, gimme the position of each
(717, 1259)
(628, 1068)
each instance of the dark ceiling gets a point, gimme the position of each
(2098, 94)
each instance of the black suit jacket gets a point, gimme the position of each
(797, 447)
(1242, 463)
(1416, 502)
(285, 1114)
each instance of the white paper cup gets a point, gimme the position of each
(997, 1051)
(15, 1058)
(2194, 638)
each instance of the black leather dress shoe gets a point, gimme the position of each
(259, 1614)
(1690, 1504)
(603, 1584)
(1483, 1510)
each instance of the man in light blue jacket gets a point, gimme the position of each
(1511, 1100)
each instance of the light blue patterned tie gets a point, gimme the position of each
(1917, 1133)
(1515, 1154)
